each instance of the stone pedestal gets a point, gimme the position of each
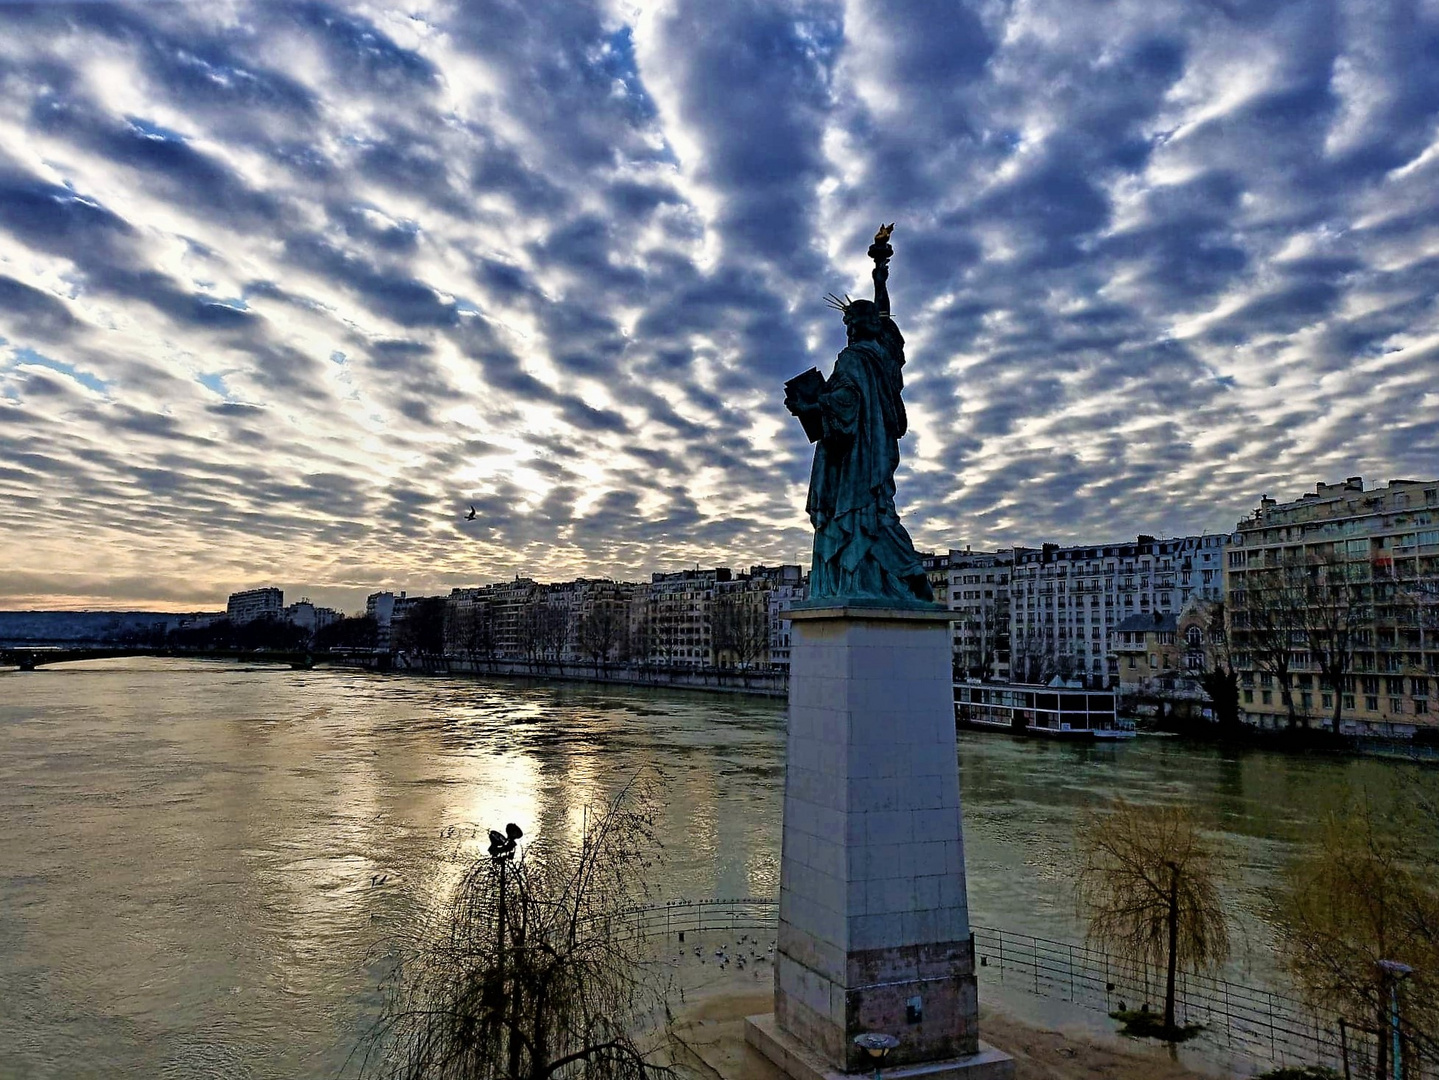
(874, 922)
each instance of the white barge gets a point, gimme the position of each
(1056, 711)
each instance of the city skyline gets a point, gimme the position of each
(284, 291)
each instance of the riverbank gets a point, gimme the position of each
(709, 1032)
(770, 684)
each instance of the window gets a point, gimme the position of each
(1326, 700)
(1249, 697)
(1153, 661)
(1131, 663)
(1371, 702)
(1421, 706)
(1267, 697)
(1396, 705)
(1348, 701)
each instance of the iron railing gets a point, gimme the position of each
(1264, 1026)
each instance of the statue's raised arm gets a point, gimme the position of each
(881, 252)
(862, 554)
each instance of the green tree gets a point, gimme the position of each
(1148, 886)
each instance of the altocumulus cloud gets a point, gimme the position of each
(284, 288)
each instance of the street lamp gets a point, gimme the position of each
(1396, 972)
(877, 1045)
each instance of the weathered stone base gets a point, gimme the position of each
(925, 994)
(796, 1060)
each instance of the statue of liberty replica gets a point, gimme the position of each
(873, 951)
(856, 418)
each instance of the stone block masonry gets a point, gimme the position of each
(874, 922)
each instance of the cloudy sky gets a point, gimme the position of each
(285, 288)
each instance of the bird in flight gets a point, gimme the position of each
(471, 515)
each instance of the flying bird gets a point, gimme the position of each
(471, 515)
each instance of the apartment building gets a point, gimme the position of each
(252, 604)
(671, 621)
(304, 614)
(977, 590)
(1066, 603)
(936, 570)
(1332, 605)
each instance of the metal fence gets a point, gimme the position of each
(1268, 1028)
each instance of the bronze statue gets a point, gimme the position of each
(855, 418)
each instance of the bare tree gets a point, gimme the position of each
(640, 640)
(979, 644)
(1336, 609)
(544, 630)
(422, 629)
(1357, 897)
(1270, 623)
(741, 626)
(1218, 679)
(532, 974)
(602, 629)
(1148, 885)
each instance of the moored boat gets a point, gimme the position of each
(1056, 711)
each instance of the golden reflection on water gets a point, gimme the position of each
(201, 864)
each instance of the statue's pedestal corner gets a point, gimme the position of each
(869, 611)
(799, 1062)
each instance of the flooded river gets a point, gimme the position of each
(200, 862)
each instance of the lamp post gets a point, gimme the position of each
(877, 1045)
(1395, 972)
(502, 850)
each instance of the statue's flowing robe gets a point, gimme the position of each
(861, 551)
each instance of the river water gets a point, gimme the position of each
(201, 863)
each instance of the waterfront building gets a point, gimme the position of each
(1066, 603)
(495, 622)
(596, 614)
(936, 571)
(252, 604)
(787, 586)
(1147, 654)
(387, 609)
(672, 620)
(1332, 601)
(978, 592)
(304, 614)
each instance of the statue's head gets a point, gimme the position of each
(862, 320)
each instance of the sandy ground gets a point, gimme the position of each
(710, 1026)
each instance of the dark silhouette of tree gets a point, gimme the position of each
(1148, 886)
(352, 632)
(640, 641)
(740, 626)
(421, 630)
(532, 974)
(1336, 609)
(264, 634)
(1218, 679)
(602, 629)
(1269, 626)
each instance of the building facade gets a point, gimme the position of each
(1066, 603)
(1147, 654)
(936, 570)
(304, 614)
(1332, 608)
(255, 604)
(977, 592)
